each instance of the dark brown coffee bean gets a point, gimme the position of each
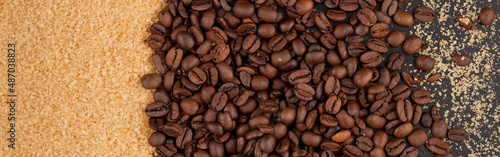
(336, 15)
(157, 28)
(243, 9)
(382, 17)
(418, 137)
(457, 134)
(288, 115)
(395, 147)
(157, 139)
(343, 30)
(380, 139)
(348, 5)
(333, 104)
(417, 114)
(424, 62)
(362, 77)
(151, 81)
(303, 6)
(408, 79)
(156, 41)
(403, 18)
(412, 45)
(437, 146)
(421, 97)
(391, 126)
(410, 152)
(328, 120)
(189, 106)
(156, 109)
(266, 30)
(364, 143)
(486, 16)
(356, 49)
(377, 152)
(371, 59)
(311, 139)
(375, 121)
(424, 14)
(439, 129)
(435, 113)
(396, 38)
(379, 30)
(251, 43)
(367, 17)
(466, 22)
(347, 121)
(389, 7)
(403, 130)
(352, 151)
(172, 129)
(401, 91)
(259, 83)
(434, 77)
(174, 57)
(395, 60)
(367, 4)
(219, 101)
(426, 120)
(322, 22)
(246, 28)
(277, 42)
(165, 18)
(269, 106)
(378, 45)
(461, 60)
(300, 76)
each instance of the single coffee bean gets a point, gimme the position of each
(367, 17)
(424, 62)
(466, 22)
(424, 14)
(189, 106)
(403, 18)
(328, 120)
(304, 91)
(437, 146)
(277, 42)
(364, 143)
(343, 30)
(288, 115)
(486, 16)
(395, 147)
(156, 41)
(157, 139)
(356, 49)
(389, 7)
(380, 139)
(379, 107)
(395, 60)
(426, 120)
(185, 40)
(421, 97)
(435, 113)
(219, 101)
(403, 130)
(401, 91)
(371, 59)
(151, 81)
(382, 17)
(251, 43)
(361, 30)
(375, 121)
(412, 45)
(461, 60)
(269, 106)
(378, 45)
(352, 151)
(417, 138)
(165, 18)
(267, 143)
(243, 9)
(377, 152)
(336, 15)
(348, 5)
(172, 129)
(457, 134)
(417, 114)
(347, 121)
(311, 139)
(410, 152)
(396, 38)
(362, 77)
(379, 30)
(367, 4)
(434, 77)
(156, 109)
(439, 129)
(304, 6)
(323, 22)
(408, 79)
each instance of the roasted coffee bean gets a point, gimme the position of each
(395, 60)
(322, 22)
(243, 9)
(341, 136)
(379, 30)
(403, 18)
(251, 43)
(417, 114)
(403, 130)
(367, 4)
(417, 138)
(380, 139)
(189, 106)
(157, 139)
(156, 41)
(361, 30)
(435, 113)
(311, 139)
(421, 97)
(304, 91)
(401, 91)
(424, 14)
(486, 16)
(461, 60)
(382, 17)
(375, 121)
(424, 62)
(410, 152)
(219, 101)
(439, 129)
(412, 44)
(269, 106)
(378, 45)
(434, 77)
(336, 15)
(377, 152)
(151, 81)
(426, 120)
(156, 109)
(466, 22)
(379, 107)
(408, 79)
(371, 59)
(395, 147)
(172, 129)
(396, 38)
(348, 5)
(362, 77)
(457, 134)
(367, 17)
(303, 6)
(356, 49)
(389, 7)
(277, 42)
(347, 121)
(437, 146)
(343, 30)
(333, 104)
(352, 151)
(364, 143)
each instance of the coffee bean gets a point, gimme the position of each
(219, 101)
(426, 120)
(395, 60)
(157, 139)
(367, 17)
(364, 143)
(403, 130)
(356, 49)
(395, 147)
(172, 129)
(412, 44)
(439, 129)
(389, 7)
(347, 121)
(156, 41)
(377, 152)
(151, 81)
(424, 14)
(343, 30)
(410, 152)
(322, 22)
(435, 113)
(417, 138)
(434, 77)
(457, 134)
(417, 114)
(424, 62)
(421, 97)
(348, 5)
(461, 60)
(362, 77)
(382, 17)
(375, 121)
(401, 91)
(269, 106)
(396, 38)
(486, 16)
(408, 79)
(437, 146)
(371, 59)
(378, 45)
(380, 139)
(352, 151)
(335, 15)
(341, 136)
(189, 106)
(304, 6)
(466, 22)
(367, 4)
(379, 30)
(243, 9)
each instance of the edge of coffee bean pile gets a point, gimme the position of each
(304, 78)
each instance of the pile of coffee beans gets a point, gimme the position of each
(281, 78)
